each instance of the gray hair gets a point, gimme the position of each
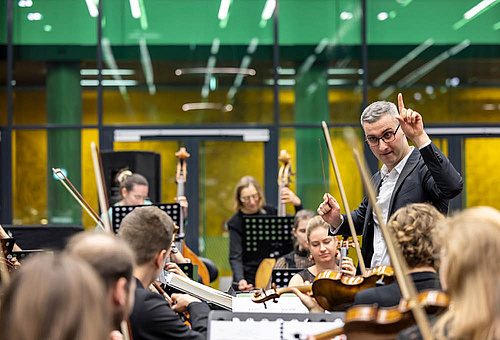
(376, 110)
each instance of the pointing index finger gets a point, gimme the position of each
(401, 104)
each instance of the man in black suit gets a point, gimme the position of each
(408, 175)
(149, 232)
(414, 230)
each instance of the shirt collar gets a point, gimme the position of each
(399, 167)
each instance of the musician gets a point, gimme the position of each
(413, 228)
(149, 232)
(323, 249)
(472, 284)
(408, 175)
(3, 235)
(249, 200)
(299, 256)
(53, 296)
(114, 261)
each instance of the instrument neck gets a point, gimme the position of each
(281, 205)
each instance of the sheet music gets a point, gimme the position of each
(287, 303)
(247, 330)
(294, 327)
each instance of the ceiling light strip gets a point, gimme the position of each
(402, 62)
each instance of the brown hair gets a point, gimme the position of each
(314, 223)
(413, 227)
(110, 256)
(243, 183)
(147, 230)
(127, 180)
(472, 282)
(55, 297)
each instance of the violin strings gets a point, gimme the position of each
(322, 164)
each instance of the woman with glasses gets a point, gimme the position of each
(249, 200)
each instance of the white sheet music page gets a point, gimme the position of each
(287, 303)
(244, 330)
(295, 329)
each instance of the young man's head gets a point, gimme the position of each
(114, 261)
(414, 230)
(383, 134)
(149, 232)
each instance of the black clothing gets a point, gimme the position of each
(389, 295)
(428, 176)
(153, 319)
(306, 275)
(294, 259)
(244, 269)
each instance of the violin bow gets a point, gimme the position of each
(326, 132)
(4, 270)
(77, 196)
(408, 290)
(101, 190)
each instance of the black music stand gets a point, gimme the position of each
(7, 245)
(21, 255)
(266, 236)
(119, 212)
(283, 276)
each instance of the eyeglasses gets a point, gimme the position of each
(255, 197)
(387, 138)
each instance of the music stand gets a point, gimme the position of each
(266, 236)
(7, 245)
(283, 276)
(21, 255)
(119, 212)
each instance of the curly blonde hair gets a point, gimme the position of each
(413, 228)
(471, 242)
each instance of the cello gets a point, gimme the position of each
(180, 178)
(265, 269)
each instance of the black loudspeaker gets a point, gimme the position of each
(146, 163)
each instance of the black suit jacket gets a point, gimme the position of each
(427, 177)
(153, 319)
(389, 296)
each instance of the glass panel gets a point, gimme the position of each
(180, 64)
(446, 68)
(320, 70)
(222, 164)
(481, 172)
(30, 178)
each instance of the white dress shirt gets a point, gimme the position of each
(389, 180)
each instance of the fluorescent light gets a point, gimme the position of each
(382, 16)
(107, 72)
(334, 82)
(286, 71)
(135, 9)
(346, 15)
(411, 78)
(92, 8)
(215, 70)
(268, 11)
(402, 62)
(25, 3)
(147, 66)
(108, 82)
(344, 71)
(223, 9)
(477, 9)
(215, 46)
(321, 46)
(306, 65)
(496, 26)
(387, 92)
(253, 45)
(35, 16)
(207, 106)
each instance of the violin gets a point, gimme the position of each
(369, 322)
(284, 174)
(333, 290)
(180, 178)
